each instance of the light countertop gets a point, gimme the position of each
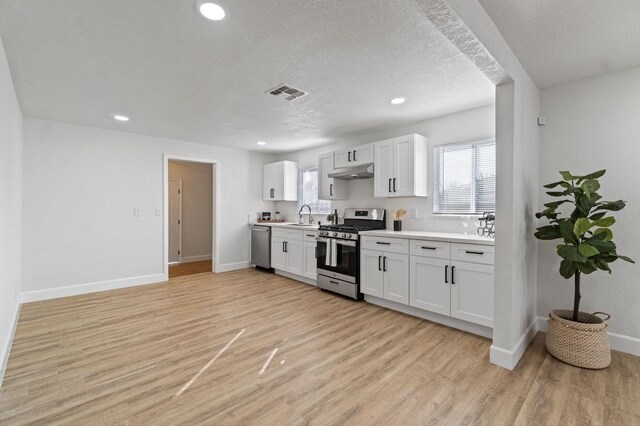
(470, 238)
(288, 225)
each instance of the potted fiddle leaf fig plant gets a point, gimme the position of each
(586, 246)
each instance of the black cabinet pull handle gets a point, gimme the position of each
(331, 189)
(379, 260)
(384, 263)
(354, 155)
(310, 235)
(428, 248)
(446, 274)
(382, 243)
(333, 282)
(349, 156)
(283, 247)
(453, 280)
(271, 193)
(474, 252)
(394, 185)
(390, 185)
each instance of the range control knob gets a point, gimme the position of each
(345, 235)
(335, 234)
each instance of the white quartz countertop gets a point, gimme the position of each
(288, 225)
(432, 236)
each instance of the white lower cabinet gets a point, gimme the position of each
(429, 284)
(309, 261)
(385, 275)
(288, 252)
(472, 292)
(432, 278)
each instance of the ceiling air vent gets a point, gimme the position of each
(285, 92)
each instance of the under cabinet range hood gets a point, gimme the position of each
(364, 171)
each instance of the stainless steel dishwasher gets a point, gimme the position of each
(261, 246)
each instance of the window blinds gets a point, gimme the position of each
(465, 178)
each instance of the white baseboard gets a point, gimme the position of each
(74, 290)
(296, 277)
(6, 348)
(431, 316)
(199, 258)
(232, 266)
(618, 342)
(508, 358)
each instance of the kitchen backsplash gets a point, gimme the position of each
(361, 195)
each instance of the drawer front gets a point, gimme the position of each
(472, 253)
(294, 234)
(433, 249)
(310, 236)
(390, 245)
(338, 286)
(278, 232)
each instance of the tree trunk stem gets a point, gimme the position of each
(576, 297)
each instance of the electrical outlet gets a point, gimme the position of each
(414, 213)
(158, 212)
(136, 212)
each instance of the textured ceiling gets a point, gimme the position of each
(180, 76)
(558, 41)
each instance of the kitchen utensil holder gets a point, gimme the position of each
(397, 225)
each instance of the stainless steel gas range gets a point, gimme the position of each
(338, 251)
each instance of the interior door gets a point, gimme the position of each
(396, 277)
(429, 284)
(175, 220)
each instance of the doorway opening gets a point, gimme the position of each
(190, 215)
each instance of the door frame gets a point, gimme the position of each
(179, 223)
(215, 259)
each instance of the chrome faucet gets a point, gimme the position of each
(300, 220)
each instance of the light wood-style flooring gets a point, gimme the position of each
(189, 268)
(124, 356)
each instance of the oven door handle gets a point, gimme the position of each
(346, 243)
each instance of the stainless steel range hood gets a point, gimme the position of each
(359, 172)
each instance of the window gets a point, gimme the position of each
(308, 192)
(464, 177)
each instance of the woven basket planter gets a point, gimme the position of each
(583, 344)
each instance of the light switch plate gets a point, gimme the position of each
(158, 212)
(136, 212)
(414, 213)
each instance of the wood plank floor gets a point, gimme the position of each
(189, 268)
(123, 356)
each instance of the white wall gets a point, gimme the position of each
(197, 211)
(81, 185)
(474, 124)
(593, 124)
(10, 208)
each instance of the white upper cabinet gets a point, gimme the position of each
(280, 181)
(329, 188)
(355, 156)
(400, 167)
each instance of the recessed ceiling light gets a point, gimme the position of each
(398, 101)
(120, 117)
(262, 143)
(212, 11)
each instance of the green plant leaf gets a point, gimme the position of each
(555, 204)
(571, 253)
(581, 227)
(567, 175)
(559, 183)
(602, 246)
(625, 258)
(602, 264)
(605, 233)
(586, 267)
(614, 206)
(605, 222)
(549, 232)
(595, 175)
(567, 269)
(566, 231)
(587, 250)
(597, 216)
(589, 187)
(557, 193)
